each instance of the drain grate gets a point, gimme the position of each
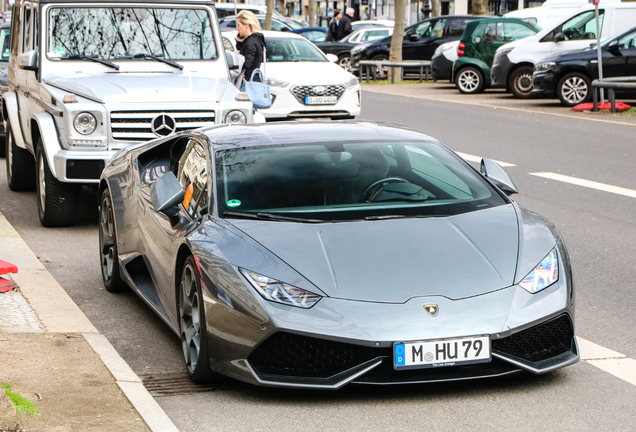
(172, 384)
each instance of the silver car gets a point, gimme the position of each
(318, 254)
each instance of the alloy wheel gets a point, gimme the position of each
(345, 63)
(107, 239)
(468, 80)
(189, 315)
(574, 90)
(42, 183)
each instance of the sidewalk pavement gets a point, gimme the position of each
(52, 355)
(496, 99)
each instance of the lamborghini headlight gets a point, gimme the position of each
(280, 292)
(544, 274)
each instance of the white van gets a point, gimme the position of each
(513, 63)
(551, 12)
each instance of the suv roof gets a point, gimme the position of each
(83, 2)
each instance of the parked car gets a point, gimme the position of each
(228, 9)
(477, 47)
(355, 25)
(305, 82)
(551, 12)
(514, 62)
(314, 34)
(342, 48)
(420, 41)
(569, 75)
(317, 254)
(76, 98)
(229, 23)
(443, 59)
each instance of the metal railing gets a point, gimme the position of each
(612, 84)
(424, 65)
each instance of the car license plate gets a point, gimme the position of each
(320, 100)
(441, 352)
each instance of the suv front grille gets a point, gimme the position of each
(541, 342)
(331, 90)
(137, 125)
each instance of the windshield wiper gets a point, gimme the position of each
(83, 57)
(159, 59)
(269, 216)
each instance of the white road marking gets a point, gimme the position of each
(587, 183)
(472, 158)
(591, 351)
(607, 360)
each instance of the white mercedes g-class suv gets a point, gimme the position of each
(87, 78)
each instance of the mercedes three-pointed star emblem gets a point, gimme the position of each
(163, 125)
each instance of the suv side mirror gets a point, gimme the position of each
(559, 37)
(166, 194)
(614, 48)
(28, 61)
(496, 174)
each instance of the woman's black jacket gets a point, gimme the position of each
(252, 49)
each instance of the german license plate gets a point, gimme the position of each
(441, 352)
(320, 100)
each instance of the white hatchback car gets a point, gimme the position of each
(304, 82)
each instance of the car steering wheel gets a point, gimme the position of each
(368, 189)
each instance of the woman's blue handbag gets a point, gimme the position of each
(258, 91)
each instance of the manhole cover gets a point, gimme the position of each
(172, 384)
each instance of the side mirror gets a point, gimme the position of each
(614, 48)
(284, 29)
(559, 37)
(28, 61)
(332, 58)
(166, 194)
(413, 37)
(496, 174)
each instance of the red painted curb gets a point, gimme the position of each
(7, 267)
(6, 285)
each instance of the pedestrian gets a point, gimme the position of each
(344, 25)
(332, 31)
(250, 42)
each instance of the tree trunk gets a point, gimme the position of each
(312, 13)
(268, 16)
(480, 7)
(395, 53)
(435, 7)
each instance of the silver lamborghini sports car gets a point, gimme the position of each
(317, 254)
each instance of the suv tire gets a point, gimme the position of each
(470, 80)
(20, 165)
(521, 82)
(57, 201)
(573, 89)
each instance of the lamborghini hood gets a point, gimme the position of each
(394, 260)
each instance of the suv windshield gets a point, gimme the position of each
(352, 181)
(114, 33)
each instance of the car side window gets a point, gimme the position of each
(627, 42)
(582, 26)
(456, 27)
(438, 28)
(490, 32)
(26, 34)
(355, 38)
(424, 29)
(16, 24)
(372, 35)
(315, 36)
(513, 31)
(193, 176)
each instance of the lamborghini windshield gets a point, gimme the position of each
(348, 181)
(121, 33)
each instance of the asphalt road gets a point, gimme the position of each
(598, 227)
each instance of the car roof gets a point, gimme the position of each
(83, 2)
(291, 133)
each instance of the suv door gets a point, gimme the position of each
(422, 40)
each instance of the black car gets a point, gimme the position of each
(363, 35)
(569, 75)
(420, 41)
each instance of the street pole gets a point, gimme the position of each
(599, 53)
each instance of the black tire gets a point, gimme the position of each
(109, 259)
(573, 89)
(521, 82)
(57, 201)
(381, 72)
(470, 80)
(344, 61)
(20, 165)
(192, 325)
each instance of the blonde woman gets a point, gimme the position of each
(250, 43)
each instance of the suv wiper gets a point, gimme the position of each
(269, 216)
(83, 57)
(159, 59)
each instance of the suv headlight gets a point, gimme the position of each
(351, 82)
(280, 292)
(542, 67)
(235, 117)
(500, 53)
(544, 274)
(85, 123)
